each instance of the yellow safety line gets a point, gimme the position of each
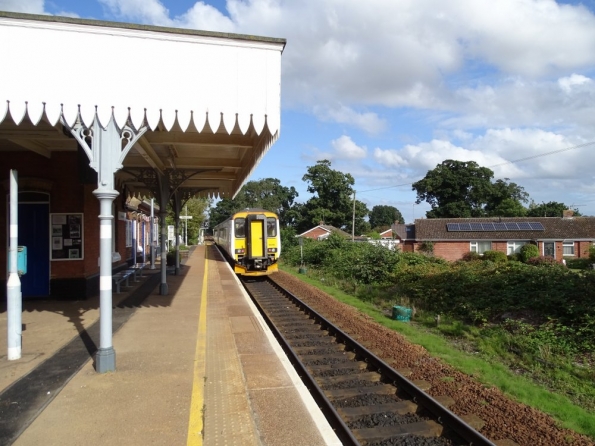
(195, 424)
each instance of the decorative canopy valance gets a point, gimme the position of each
(211, 101)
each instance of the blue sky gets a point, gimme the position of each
(388, 89)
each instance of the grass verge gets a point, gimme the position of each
(489, 372)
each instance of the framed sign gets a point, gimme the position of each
(66, 233)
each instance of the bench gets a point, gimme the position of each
(138, 267)
(123, 276)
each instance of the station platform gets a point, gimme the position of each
(197, 367)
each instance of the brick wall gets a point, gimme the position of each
(67, 195)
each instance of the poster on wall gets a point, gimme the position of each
(67, 236)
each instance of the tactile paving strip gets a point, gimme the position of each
(227, 414)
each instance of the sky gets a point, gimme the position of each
(388, 89)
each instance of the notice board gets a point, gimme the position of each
(66, 236)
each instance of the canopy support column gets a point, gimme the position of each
(14, 297)
(163, 199)
(108, 148)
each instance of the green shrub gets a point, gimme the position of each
(427, 247)
(495, 256)
(529, 251)
(471, 256)
(171, 258)
(544, 261)
(515, 257)
(584, 263)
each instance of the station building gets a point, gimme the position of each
(93, 113)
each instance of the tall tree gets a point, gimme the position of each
(382, 216)
(550, 209)
(332, 202)
(463, 189)
(506, 200)
(267, 193)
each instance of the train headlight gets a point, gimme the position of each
(272, 249)
(240, 251)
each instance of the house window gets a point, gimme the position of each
(568, 248)
(514, 247)
(480, 247)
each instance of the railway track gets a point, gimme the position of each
(365, 400)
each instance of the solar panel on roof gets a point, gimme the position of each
(496, 226)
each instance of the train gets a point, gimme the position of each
(251, 241)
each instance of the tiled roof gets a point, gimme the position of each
(554, 228)
(403, 231)
(327, 228)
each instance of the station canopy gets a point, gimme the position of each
(210, 101)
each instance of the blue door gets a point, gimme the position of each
(34, 233)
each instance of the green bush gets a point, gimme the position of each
(171, 258)
(583, 263)
(515, 257)
(544, 261)
(470, 256)
(529, 251)
(495, 256)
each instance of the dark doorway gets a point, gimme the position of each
(34, 233)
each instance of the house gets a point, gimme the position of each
(322, 231)
(557, 237)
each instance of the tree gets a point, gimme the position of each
(551, 209)
(332, 202)
(197, 208)
(267, 193)
(463, 189)
(382, 216)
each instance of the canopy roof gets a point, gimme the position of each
(211, 101)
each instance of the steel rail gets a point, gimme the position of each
(335, 420)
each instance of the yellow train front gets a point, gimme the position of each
(251, 241)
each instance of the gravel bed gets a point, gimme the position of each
(504, 418)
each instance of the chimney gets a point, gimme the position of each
(568, 213)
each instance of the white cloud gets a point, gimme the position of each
(345, 148)
(369, 122)
(28, 6)
(567, 83)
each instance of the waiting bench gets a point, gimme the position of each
(138, 267)
(123, 276)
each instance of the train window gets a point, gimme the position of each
(240, 227)
(271, 227)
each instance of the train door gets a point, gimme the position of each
(257, 236)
